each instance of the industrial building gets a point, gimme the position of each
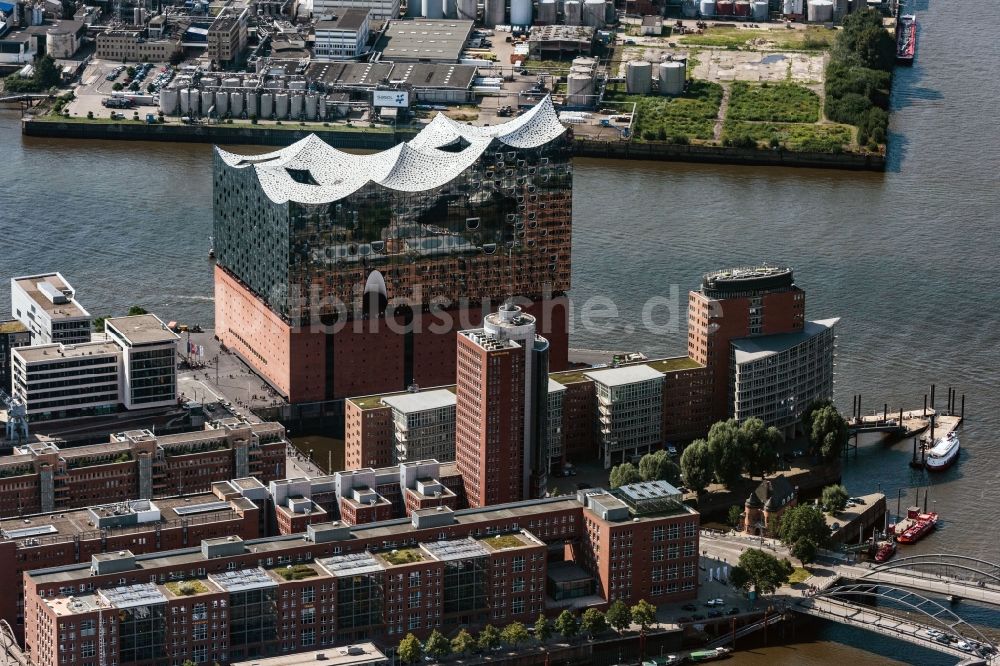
(127, 45)
(42, 477)
(63, 39)
(381, 10)
(425, 40)
(135, 368)
(46, 304)
(556, 42)
(441, 569)
(344, 36)
(227, 36)
(461, 213)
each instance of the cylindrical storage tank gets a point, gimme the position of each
(574, 12)
(236, 105)
(689, 8)
(207, 100)
(724, 7)
(467, 10)
(792, 7)
(742, 8)
(266, 105)
(611, 14)
(548, 12)
(839, 9)
(281, 106)
(638, 77)
(169, 101)
(760, 10)
(322, 108)
(432, 9)
(520, 12)
(450, 9)
(495, 12)
(579, 90)
(221, 103)
(297, 85)
(209, 82)
(672, 74)
(593, 13)
(820, 11)
(137, 16)
(190, 101)
(231, 82)
(413, 8)
(707, 8)
(295, 104)
(312, 106)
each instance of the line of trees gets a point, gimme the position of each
(859, 77)
(730, 450)
(656, 466)
(45, 76)
(568, 625)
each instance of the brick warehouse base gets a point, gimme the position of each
(363, 357)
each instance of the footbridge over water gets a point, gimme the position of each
(957, 576)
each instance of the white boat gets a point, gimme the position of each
(944, 453)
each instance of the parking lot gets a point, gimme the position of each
(94, 87)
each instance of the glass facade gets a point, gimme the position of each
(142, 633)
(359, 601)
(465, 587)
(153, 375)
(253, 616)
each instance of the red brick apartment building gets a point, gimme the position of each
(234, 599)
(41, 477)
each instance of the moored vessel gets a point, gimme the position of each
(906, 39)
(944, 453)
(920, 525)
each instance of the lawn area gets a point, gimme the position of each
(295, 572)
(799, 575)
(186, 588)
(793, 136)
(502, 541)
(773, 102)
(691, 116)
(810, 39)
(403, 556)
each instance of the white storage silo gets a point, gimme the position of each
(295, 104)
(169, 101)
(231, 82)
(322, 108)
(579, 90)
(574, 12)
(189, 101)
(495, 13)
(207, 101)
(820, 11)
(548, 12)
(672, 75)
(432, 9)
(450, 9)
(467, 10)
(707, 8)
(221, 102)
(137, 16)
(312, 106)
(281, 106)
(236, 105)
(638, 77)
(760, 10)
(209, 82)
(266, 105)
(593, 13)
(610, 13)
(792, 7)
(297, 84)
(520, 12)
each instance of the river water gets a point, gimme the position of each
(908, 259)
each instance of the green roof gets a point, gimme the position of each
(504, 541)
(12, 326)
(570, 376)
(674, 364)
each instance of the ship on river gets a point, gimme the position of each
(906, 39)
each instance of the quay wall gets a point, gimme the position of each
(362, 139)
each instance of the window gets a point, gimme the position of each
(517, 606)
(87, 649)
(415, 599)
(308, 595)
(518, 585)
(518, 563)
(308, 637)
(308, 615)
(199, 632)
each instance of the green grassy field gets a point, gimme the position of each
(773, 102)
(793, 136)
(691, 115)
(810, 39)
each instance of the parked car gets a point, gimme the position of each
(672, 450)
(718, 601)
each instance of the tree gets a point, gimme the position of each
(98, 323)
(760, 445)
(463, 643)
(759, 570)
(130, 72)
(567, 625)
(819, 403)
(409, 649)
(696, 466)
(803, 529)
(437, 645)
(834, 498)
(658, 466)
(624, 474)
(489, 638)
(593, 622)
(829, 432)
(618, 616)
(735, 516)
(726, 446)
(135, 310)
(644, 614)
(514, 634)
(543, 628)
(46, 72)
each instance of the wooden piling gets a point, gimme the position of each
(963, 407)
(932, 396)
(925, 405)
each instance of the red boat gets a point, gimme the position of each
(885, 551)
(906, 39)
(923, 524)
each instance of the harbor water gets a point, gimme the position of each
(908, 259)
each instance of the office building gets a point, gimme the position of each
(13, 333)
(423, 425)
(344, 35)
(136, 464)
(227, 36)
(329, 296)
(123, 45)
(46, 304)
(776, 377)
(339, 584)
(629, 412)
(135, 368)
(381, 10)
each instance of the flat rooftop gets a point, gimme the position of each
(424, 40)
(420, 401)
(359, 74)
(561, 33)
(346, 19)
(37, 286)
(12, 326)
(629, 374)
(358, 654)
(754, 349)
(57, 351)
(430, 75)
(674, 364)
(142, 329)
